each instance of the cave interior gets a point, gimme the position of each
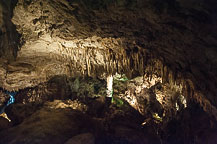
(108, 72)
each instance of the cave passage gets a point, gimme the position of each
(108, 72)
(141, 110)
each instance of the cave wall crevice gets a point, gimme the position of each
(9, 37)
(172, 39)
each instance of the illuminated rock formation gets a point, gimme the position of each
(171, 42)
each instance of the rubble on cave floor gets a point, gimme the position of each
(60, 120)
(65, 121)
(138, 113)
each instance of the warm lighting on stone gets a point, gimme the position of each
(109, 86)
(4, 115)
(108, 71)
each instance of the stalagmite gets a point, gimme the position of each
(109, 86)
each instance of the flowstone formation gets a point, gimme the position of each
(160, 56)
(140, 112)
(79, 38)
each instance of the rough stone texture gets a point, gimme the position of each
(59, 122)
(3, 98)
(9, 37)
(88, 87)
(151, 96)
(18, 112)
(175, 39)
(86, 138)
(46, 125)
(58, 87)
(192, 124)
(61, 88)
(4, 124)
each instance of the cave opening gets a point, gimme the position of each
(108, 72)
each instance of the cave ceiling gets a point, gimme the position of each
(174, 39)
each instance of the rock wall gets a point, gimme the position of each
(174, 39)
(9, 37)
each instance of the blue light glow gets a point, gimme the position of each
(12, 99)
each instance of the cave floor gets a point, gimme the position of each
(71, 122)
(57, 123)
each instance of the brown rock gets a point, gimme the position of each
(86, 138)
(4, 124)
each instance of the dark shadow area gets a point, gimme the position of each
(9, 37)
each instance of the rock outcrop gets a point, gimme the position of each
(173, 41)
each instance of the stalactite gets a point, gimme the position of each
(162, 71)
(171, 78)
(128, 64)
(165, 75)
(137, 61)
(107, 67)
(174, 76)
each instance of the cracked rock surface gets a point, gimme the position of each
(174, 41)
(78, 38)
